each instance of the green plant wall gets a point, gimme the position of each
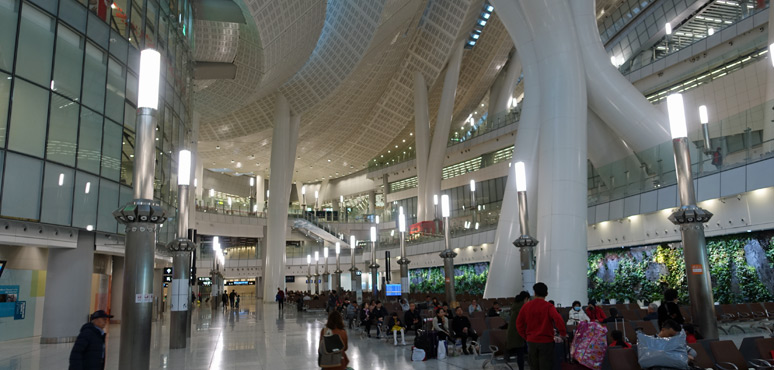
(642, 273)
(469, 279)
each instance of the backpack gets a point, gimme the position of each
(330, 353)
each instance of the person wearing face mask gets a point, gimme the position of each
(576, 314)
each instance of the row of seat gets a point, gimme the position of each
(754, 352)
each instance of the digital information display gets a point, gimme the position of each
(290, 279)
(231, 283)
(2, 267)
(393, 290)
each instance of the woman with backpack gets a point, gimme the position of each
(332, 351)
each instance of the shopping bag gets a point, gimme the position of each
(417, 354)
(441, 349)
(662, 352)
(589, 345)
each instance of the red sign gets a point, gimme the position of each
(697, 269)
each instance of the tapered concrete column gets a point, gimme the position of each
(610, 95)
(116, 289)
(372, 202)
(561, 229)
(260, 192)
(768, 105)
(440, 139)
(508, 78)
(68, 290)
(606, 148)
(422, 144)
(505, 276)
(279, 185)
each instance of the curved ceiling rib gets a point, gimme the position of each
(275, 43)
(356, 91)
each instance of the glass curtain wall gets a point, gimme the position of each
(68, 100)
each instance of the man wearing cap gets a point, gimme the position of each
(89, 350)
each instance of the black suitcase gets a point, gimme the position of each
(427, 341)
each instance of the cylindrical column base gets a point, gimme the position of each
(137, 303)
(404, 279)
(374, 280)
(698, 278)
(448, 268)
(179, 299)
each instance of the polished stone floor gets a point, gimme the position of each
(256, 337)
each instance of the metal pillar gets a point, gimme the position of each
(374, 271)
(181, 249)
(337, 273)
(448, 265)
(690, 219)
(317, 277)
(309, 277)
(141, 217)
(326, 276)
(404, 262)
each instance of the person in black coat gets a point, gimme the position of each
(463, 330)
(88, 353)
(412, 318)
(669, 310)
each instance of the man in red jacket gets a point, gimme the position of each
(536, 323)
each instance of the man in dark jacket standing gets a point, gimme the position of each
(89, 350)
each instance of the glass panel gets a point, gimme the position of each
(114, 105)
(5, 100)
(98, 31)
(130, 116)
(36, 46)
(9, 10)
(119, 16)
(21, 192)
(131, 88)
(28, 119)
(85, 200)
(57, 195)
(74, 14)
(89, 141)
(69, 60)
(127, 157)
(108, 202)
(111, 150)
(94, 77)
(62, 131)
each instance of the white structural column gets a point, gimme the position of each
(443, 120)
(260, 191)
(610, 95)
(422, 144)
(768, 105)
(279, 183)
(505, 274)
(614, 161)
(506, 84)
(68, 290)
(561, 229)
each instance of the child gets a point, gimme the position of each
(395, 327)
(618, 340)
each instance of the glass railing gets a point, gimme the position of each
(461, 225)
(225, 209)
(734, 141)
(716, 17)
(495, 122)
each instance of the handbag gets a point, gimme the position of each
(330, 353)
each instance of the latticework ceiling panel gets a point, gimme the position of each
(348, 119)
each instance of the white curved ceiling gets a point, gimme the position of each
(355, 90)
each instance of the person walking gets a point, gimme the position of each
(280, 297)
(335, 326)
(515, 343)
(232, 297)
(536, 322)
(88, 353)
(224, 298)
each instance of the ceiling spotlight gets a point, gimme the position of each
(232, 161)
(329, 161)
(217, 146)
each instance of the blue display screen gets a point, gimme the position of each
(393, 290)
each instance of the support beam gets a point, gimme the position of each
(422, 137)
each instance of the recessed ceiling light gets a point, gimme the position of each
(329, 160)
(232, 161)
(396, 147)
(411, 134)
(217, 146)
(388, 152)
(404, 140)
